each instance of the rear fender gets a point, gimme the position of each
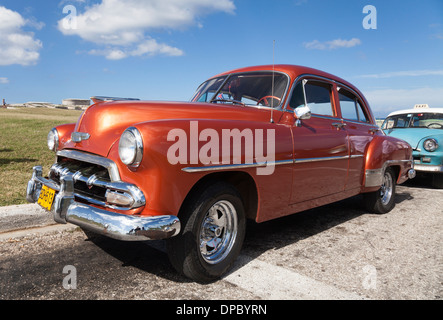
(383, 152)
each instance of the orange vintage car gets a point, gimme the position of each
(254, 143)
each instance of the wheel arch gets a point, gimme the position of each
(240, 180)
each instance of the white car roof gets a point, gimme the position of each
(417, 110)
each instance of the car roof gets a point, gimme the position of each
(291, 70)
(417, 110)
(294, 71)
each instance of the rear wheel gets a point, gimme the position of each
(212, 233)
(382, 200)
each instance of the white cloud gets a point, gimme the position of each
(16, 45)
(4, 80)
(410, 73)
(123, 25)
(147, 47)
(388, 100)
(151, 47)
(333, 44)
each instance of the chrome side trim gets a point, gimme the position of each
(87, 157)
(262, 164)
(374, 177)
(304, 160)
(236, 166)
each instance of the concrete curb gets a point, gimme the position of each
(56, 228)
(21, 220)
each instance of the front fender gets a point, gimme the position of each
(178, 153)
(64, 134)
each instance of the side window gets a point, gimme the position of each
(347, 105)
(298, 98)
(361, 114)
(351, 107)
(318, 97)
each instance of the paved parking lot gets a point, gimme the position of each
(334, 252)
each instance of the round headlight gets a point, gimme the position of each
(53, 140)
(430, 145)
(130, 147)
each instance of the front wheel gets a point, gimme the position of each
(213, 229)
(382, 200)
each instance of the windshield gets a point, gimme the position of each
(414, 120)
(254, 88)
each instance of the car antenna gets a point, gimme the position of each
(273, 73)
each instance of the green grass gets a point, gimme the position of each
(23, 134)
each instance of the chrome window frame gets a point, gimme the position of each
(304, 80)
(330, 81)
(359, 99)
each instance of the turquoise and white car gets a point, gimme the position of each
(422, 128)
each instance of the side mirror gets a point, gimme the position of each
(301, 113)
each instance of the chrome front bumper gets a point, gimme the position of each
(115, 225)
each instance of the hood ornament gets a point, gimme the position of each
(79, 136)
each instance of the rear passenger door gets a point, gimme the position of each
(360, 133)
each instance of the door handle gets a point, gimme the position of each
(338, 125)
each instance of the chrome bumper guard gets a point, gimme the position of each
(115, 225)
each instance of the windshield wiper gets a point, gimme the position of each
(228, 100)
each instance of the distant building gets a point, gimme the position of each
(76, 102)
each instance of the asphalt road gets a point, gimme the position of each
(334, 252)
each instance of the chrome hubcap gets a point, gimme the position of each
(386, 189)
(218, 232)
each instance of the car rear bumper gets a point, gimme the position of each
(428, 168)
(115, 225)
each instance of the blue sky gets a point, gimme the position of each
(163, 49)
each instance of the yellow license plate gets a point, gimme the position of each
(46, 197)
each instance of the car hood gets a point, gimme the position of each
(413, 135)
(106, 121)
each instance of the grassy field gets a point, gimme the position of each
(23, 134)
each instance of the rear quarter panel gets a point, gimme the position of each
(384, 151)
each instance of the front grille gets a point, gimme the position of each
(90, 180)
(96, 180)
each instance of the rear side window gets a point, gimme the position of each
(351, 108)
